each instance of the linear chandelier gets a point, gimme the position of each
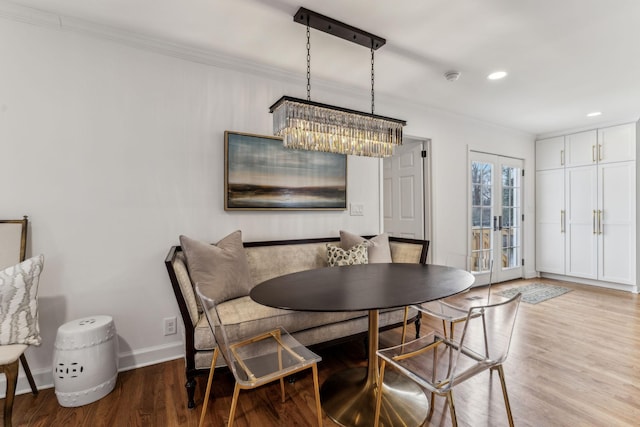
(308, 125)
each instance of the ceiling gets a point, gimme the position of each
(564, 58)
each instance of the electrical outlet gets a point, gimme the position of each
(170, 326)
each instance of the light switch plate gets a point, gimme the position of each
(356, 209)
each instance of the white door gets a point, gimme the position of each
(616, 222)
(403, 194)
(496, 216)
(550, 221)
(581, 222)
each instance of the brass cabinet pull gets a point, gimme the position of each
(562, 221)
(594, 222)
(600, 226)
(593, 153)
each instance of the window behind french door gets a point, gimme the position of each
(495, 217)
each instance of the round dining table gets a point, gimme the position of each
(348, 397)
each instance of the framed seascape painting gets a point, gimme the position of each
(260, 173)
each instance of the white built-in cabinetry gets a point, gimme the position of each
(586, 205)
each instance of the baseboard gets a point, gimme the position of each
(608, 285)
(126, 361)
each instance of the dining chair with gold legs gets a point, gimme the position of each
(453, 310)
(483, 345)
(255, 360)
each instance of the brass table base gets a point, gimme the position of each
(349, 398)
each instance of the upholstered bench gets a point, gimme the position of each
(266, 260)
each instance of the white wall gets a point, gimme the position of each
(114, 151)
(452, 138)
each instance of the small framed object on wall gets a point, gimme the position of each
(260, 174)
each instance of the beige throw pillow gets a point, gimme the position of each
(221, 270)
(378, 247)
(19, 302)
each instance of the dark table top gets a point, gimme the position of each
(361, 287)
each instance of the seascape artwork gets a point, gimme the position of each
(261, 174)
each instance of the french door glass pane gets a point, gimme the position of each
(511, 212)
(481, 215)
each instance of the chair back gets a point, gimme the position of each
(253, 359)
(485, 339)
(472, 297)
(210, 309)
(13, 241)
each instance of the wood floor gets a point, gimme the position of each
(574, 361)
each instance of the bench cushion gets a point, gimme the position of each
(244, 317)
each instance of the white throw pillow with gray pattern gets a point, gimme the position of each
(337, 256)
(19, 302)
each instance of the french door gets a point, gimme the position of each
(495, 217)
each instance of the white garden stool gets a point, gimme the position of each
(85, 360)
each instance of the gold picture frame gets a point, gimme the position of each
(260, 174)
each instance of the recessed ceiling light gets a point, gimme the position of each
(497, 75)
(594, 114)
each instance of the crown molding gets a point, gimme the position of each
(210, 57)
(27, 15)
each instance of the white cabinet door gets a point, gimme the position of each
(581, 149)
(550, 221)
(616, 222)
(617, 143)
(581, 222)
(550, 153)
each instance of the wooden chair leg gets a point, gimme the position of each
(404, 323)
(208, 392)
(27, 372)
(11, 372)
(316, 386)
(452, 409)
(234, 403)
(282, 395)
(506, 396)
(376, 416)
(432, 402)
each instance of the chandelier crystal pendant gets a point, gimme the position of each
(308, 125)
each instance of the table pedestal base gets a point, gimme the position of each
(349, 398)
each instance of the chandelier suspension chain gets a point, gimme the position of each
(372, 81)
(307, 125)
(308, 62)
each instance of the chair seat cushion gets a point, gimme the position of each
(245, 317)
(11, 353)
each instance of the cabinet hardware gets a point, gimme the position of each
(500, 222)
(495, 223)
(561, 157)
(599, 152)
(600, 226)
(562, 221)
(593, 153)
(594, 221)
